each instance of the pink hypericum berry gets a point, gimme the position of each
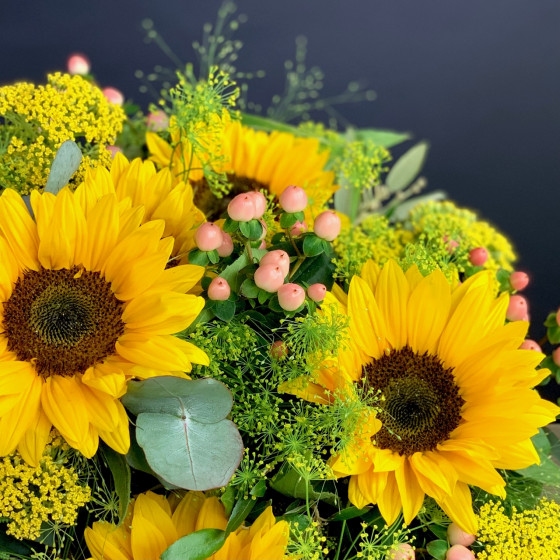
(519, 280)
(114, 150)
(226, 248)
(278, 258)
(293, 199)
(278, 349)
(219, 289)
(78, 63)
(260, 203)
(317, 292)
(402, 551)
(208, 237)
(556, 356)
(269, 277)
(157, 121)
(290, 296)
(113, 95)
(517, 308)
(478, 256)
(529, 344)
(327, 225)
(459, 552)
(241, 208)
(298, 228)
(456, 535)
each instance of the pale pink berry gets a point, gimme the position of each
(114, 150)
(317, 292)
(260, 203)
(269, 277)
(402, 551)
(279, 258)
(226, 248)
(517, 308)
(556, 356)
(278, 349)
(529, 344)
(78, 64)
(241, 208)
(456, 535)
(113, 95)
(293, 199)
(459, 552)
(208, 237)
(290, 296)
(478, 256)
(157, 121)
(452, 245)
(519, 280)
(219, 289)
(298, 228)
(327, 225)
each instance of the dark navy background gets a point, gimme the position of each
(480, 80)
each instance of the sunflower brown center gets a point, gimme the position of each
(420, 404)
(64, 320)
(214, 207)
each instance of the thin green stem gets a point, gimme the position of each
(340, 540)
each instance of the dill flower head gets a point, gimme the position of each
(452, 389)
(87, 303)
(36, 120)
(154, 523)
(33, 495)
(525, 535)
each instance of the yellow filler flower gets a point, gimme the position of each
(87, 303)
(453, 390)
(153, 524)
(258, 160)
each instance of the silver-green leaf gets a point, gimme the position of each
(65, 164)
(407, 167)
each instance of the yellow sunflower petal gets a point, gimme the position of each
(389, 502)
(33, 442)
(458, 506)
(107, 542)
(211, 515)
(118, 438)
(185, 515)
(411, 493)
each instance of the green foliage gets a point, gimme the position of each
(65, 164)
(120, 472)
(197, 546)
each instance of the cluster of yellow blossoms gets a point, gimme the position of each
(526, 535)
(38, 119)
(33, 495)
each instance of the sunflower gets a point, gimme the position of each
(452, 389)
(86, 304)
(154, 523)
(156, 191)
(255, 160)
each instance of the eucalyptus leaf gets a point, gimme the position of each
(65, 164)
(401, 212)
(120, 472)
(199, 545)
(407, 167)
(382, 137)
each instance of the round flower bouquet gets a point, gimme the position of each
(245, 337)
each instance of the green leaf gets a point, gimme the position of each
(228, 499)
(230, 226)
(548, 472)
(407, 167)
(287, 220)
(274, 304)
(316, 269)
(382, 137)
(263, 296)
(249, 289)
(439, 531)
(252, 229)
(197, 546)
(181, 425)
(553, 334)
(213, 256)
(10, 544)
(241, 510)
(550, 320)
(259, 489)
(121, 477)
(400, 212)
(262, 123)
(198, 257)
(65, 164)
(224, 310)
(312, 245)
(437, 549)
(349, 513)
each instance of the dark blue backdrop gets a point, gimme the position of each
(480, 80)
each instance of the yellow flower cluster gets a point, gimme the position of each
(30, 496)
(36, 120)
(525, 535)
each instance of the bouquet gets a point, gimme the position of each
(239, 335)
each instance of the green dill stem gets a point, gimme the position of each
(340, 540)
(307, 500)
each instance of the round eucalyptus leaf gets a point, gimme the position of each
(65, 164)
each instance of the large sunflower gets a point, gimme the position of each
(86, 304)
(154, 523)
(453, 390)
(161, 197)
(255, 160)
